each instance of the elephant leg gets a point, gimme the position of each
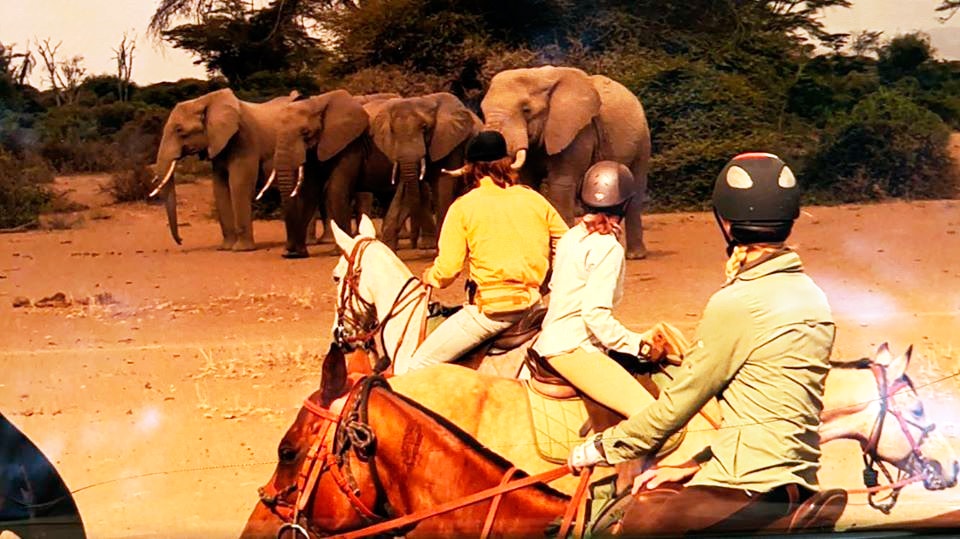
(364, 204)
(397, 214)
(338, 193)
(636, 249)
(565, 171)
(221, 197)
(423, 221)
(312, 238)
(243, 179)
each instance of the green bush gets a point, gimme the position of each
(23, 194)
(886, 146)
(131, 184)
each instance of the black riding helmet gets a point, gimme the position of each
(758, 194)
(607, 188)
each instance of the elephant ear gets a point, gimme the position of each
(574, 102)
(343, 121)
(222, 120)
(381, 130)
(454, 123)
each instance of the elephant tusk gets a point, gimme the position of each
(519, 160)
(166, 180)
(457, 172)
(393, 174)
(423, 168)
(296, 189)
(273, 176)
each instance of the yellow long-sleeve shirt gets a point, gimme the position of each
(505, 236)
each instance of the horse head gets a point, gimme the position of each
(307, 450)
(880, 408)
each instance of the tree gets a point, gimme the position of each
(866, 43)
(903, 55)
(124, 58)
(48, 53)
(949, 7)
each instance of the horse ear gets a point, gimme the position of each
(334, 382)
(898, 366)
(366, 227)
(342, 239)
(883, 356)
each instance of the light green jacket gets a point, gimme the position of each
(763, 348)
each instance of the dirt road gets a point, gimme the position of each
(164, 397)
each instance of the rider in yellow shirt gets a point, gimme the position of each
(503, 235)
(763, 348)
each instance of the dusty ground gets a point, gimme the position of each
(163, 399)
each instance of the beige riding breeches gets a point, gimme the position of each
(603, 380)
(467, 328)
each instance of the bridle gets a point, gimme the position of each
(920, 467)
(353, 330)
(351, 431)
(354, 432)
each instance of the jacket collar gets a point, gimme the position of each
(781, 261)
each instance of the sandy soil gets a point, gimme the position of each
(162, 400)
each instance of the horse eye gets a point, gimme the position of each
(917, 411)
(336, 279)
(287, 454)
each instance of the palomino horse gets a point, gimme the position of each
(340, 483)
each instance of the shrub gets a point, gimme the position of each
(132, 184)
(886, 146)
(22, 193)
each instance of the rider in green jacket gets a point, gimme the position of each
(762, 347)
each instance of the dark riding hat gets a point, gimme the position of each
(758, 194)
(607, 187)
(487, 146)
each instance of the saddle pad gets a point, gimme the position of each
(556, 424)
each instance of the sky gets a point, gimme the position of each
(92, 28)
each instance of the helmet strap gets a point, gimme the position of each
(731, 243)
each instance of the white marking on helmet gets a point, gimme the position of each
(739, 178)
(599, 196)
(787, 179)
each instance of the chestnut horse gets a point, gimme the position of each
(875, 406)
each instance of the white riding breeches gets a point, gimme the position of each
(467, 328)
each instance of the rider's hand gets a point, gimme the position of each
(663, 342)
(586, 455)
(654, 477)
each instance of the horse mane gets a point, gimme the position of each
(862, 363)
(474, 444)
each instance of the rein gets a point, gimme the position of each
(351, 329)
(352, 430)
(872, 462)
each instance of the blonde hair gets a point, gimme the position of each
(499, 171)
(602, 223)
(739, 256)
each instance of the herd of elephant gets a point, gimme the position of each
(323, 151)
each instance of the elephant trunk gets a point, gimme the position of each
(404, 202)
(167, 186)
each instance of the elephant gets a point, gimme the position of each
(558, 121)
(421, 136)
(323, 151)
(238, 137)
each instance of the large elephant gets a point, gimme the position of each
(238, 137)
(557, 121)
(323, 153)
(421, 136)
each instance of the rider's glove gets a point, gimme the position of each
(587, 454)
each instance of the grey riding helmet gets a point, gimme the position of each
(607, 188)
(758, 194)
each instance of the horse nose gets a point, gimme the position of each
(934, 478)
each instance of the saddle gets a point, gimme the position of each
(819, 512)
(513, 337)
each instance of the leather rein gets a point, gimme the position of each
(872, 462)
(352, 329)
(352, 431)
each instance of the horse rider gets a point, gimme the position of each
(586, 284)
(505, 234)
(763, 348)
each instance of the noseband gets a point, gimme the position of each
(921, 468)
(351, 431)
(358, 326)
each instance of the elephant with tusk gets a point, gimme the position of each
(558, 121)
(238, 137)
(423, 137)
(323, 157)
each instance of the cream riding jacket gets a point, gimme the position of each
(587, 283)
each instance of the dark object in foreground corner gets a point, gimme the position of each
(34, 501)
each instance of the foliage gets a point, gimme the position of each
(886, 146)
(22, 191)
(132, 184)
(904, 55)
